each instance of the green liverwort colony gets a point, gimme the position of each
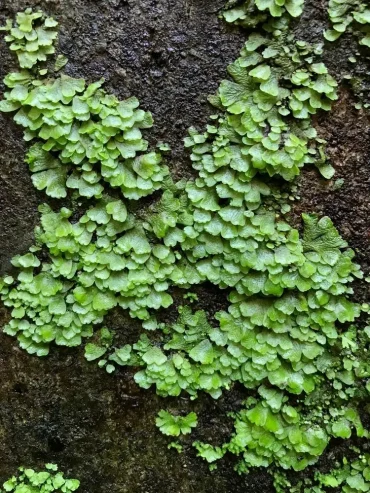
(348, 477)
(352, 14)
(288, 336)
(48, 481)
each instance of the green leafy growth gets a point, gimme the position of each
(84, 279)
(96, 350)
(349, 14)
(176, 425)
(87, 139)
(30, 481)
(192, 297)
(351, 476)
(208, 452)
(288, 329)
(176, 445)
(273, 432)
(250, 13)
(264, 131)
(60, 62)
(31, 37)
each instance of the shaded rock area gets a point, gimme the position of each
(100, 428)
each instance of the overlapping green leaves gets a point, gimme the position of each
(84, 279)
(89, 138)
(252, 12)
(176, 425)
(28, 480)
(283, 332)
(31, 37)
(350, 476)
(345, 14)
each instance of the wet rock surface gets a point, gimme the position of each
(100, 428)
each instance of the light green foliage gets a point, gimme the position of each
(86, 139)
(120, 268)
(348, 477)
(208, 452)
(176, 425)
(194, 356)
(284, 340)
(346, 14)
(352, 476)
(252, 12)
(96, 350)
(90, 138)
(264, 131)
(31, 37)
(286, 331)
(175, 445)
(31, 481)
(256, 134)
(164, 147)
(192, 297)
(272, 431)
(187, 359)
(60, 62)
(347, 370)
(280, 339)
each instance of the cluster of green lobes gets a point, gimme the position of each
(349, 14)
(349, 476)
(49, 480)
(283, 332)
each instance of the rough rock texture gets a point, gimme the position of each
(100, 428)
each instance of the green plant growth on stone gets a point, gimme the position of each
(345, 14)
(177, 446)
(252, 12)
(31, 37)
(175, 426)
(88, 138)
(270, 429)
(286, 334)
(30, 481)
(120, 268)
(351, 476)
